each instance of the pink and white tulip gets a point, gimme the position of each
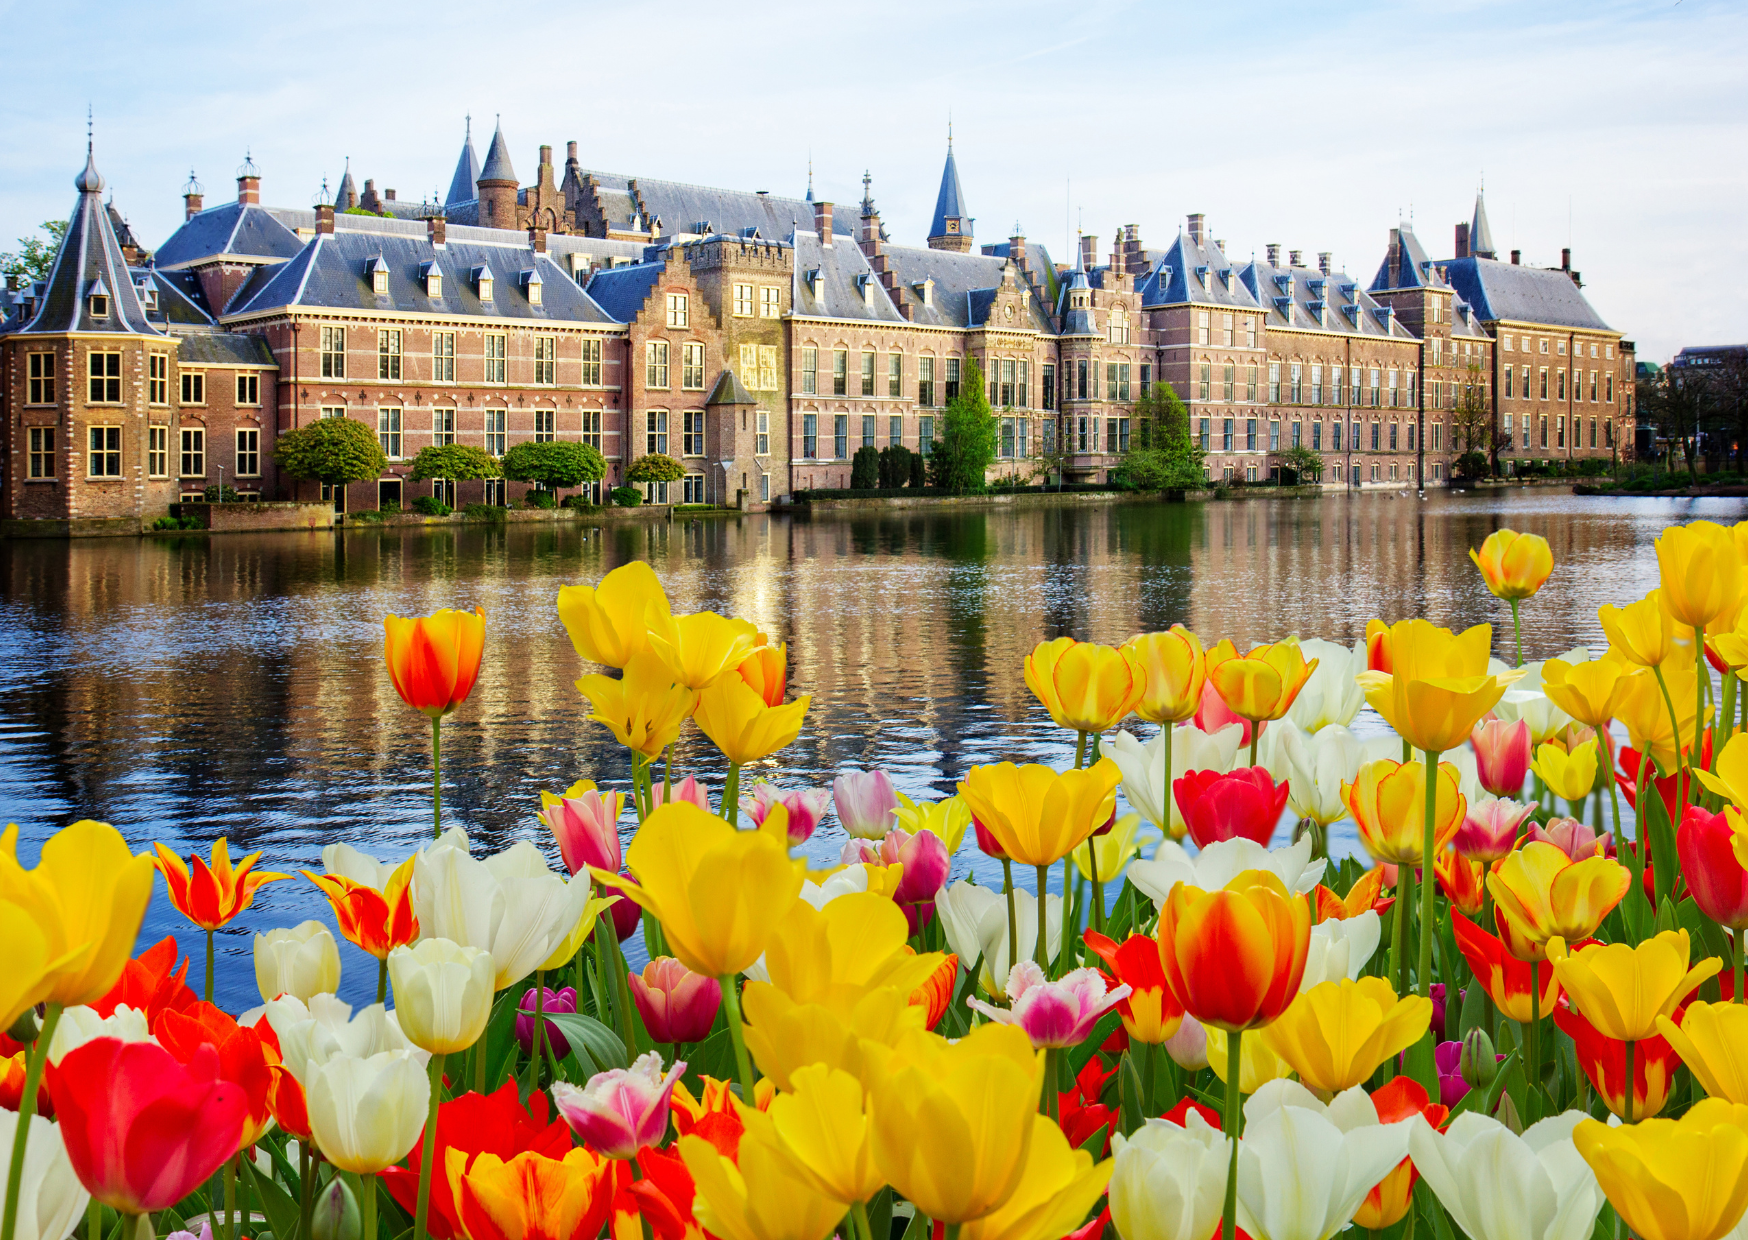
(1053, 1014)
(926, 863)
(1489, 830)
(621, 1111)
(866, 802)
(688, 789)
(676, 1004)
(587, 829)
(1576, 839)
(805, 806)
(1502, 755)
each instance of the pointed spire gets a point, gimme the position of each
(90, 181)
(810, 176)
(461, 185)
(1480, 235)
(951, 229)
(497, 166)
(867, 195)
(346, 197)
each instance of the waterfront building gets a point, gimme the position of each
(758, 340)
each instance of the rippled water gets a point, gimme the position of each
(187, 688)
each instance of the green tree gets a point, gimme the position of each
(34, 255)
(655, 467)
(1306, 465)
(965, 443)
(865, 469)
(458, 462)
(331, 450)
(554, 464)
(1162, 453)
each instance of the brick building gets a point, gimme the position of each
(758, 340)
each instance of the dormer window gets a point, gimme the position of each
(433, 280)
(377, 270)
(531, 282)
(482, 279)
(99, 306)
(926, 290)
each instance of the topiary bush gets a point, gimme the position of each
(539, 499)
(654, 468)
(216, 494)
(865, 469)
(627, 497)
(577, 503)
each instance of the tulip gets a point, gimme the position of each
(1505, 978)
(766, 670)
(1590, 692)
(1150, 1012)
(1700, 572)
(1316, 767)
(1257, 1064)
(365, 1114)
(1143, 766)
(952, 1124)
(211, 895)
(1103, 856)
(926, 862)
(433, 663)
(372, 902)
(700, 648)
(1261, 685)
(1233, 957)
(823, 1124)
(1571, 776)
(1219, 863)
(1340, 949)
(1059, 1186)
(1447, 1059)
(765, 1194)
(1502, 755)
(1623, 989)
(1332, 697)
(1543, 894)
(676, 1004)
(622, 1110)
(853, 944)
(1489, 831)
(567, 1195)
(548, 1002)
(1501, 1186)
(805, 808)
(443, 994)
(610, 623)
(1535, 710)
(1053, 1014)
(1513, 565)
(687, 789)
(1188, 1047)
(1669, 1179)
(1175, 667)
(1439, 687)
(624, 913)
(644, 708)
(1604, 1060)
(51, 1199)
(1378, 647)
(1363, 897)
(948, 819)
(1461, 881)
(585, 822)
(936, 992)
(743, 725)
(847, 1029)
(1336, 1034)
(302, 961)
(246, 1058)
(1086, 687)
(79, 1025)
(1642, 633)
(1214, 716)
(1402, 1099)
(1388, 803)
(1709, 1039)
(993, 932)
(1644, 711)
(1037, 815)
(1245, 803)
(326, 1029)
(866, 803)
(141, 1130)
(1169, 1182)
(1571, 836)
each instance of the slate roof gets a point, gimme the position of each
(1076, 320)
(950, 202)
(497, 166)
(1292, 296)
(830, 279)
(1480, 235)
(682, 207)
(463, 186)
(225, 349)
(230, 228)
(965, 287)
(622, 291)
(1195, 272)
(1411, 268)
(1042, 266)
(729, 390)
(181, 301)
(1505, 291)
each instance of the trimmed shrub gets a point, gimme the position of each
(431, 506)
(627, 497)
(539, 499)
(483, 512)
(865, 469)
(216, 494)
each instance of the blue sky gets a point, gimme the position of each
(1616, 128)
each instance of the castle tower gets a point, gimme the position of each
(497, 185)
(952, 227)
(461, 185)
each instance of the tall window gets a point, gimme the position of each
(767, 368)
(762, 434)
(1274, 436)
(694, 445)
(841, 435)
(1205, 434)
(193, 387)
(158, 451)
(333, 411)
(1226, 330)
(867, 431)
(105, 378)
(1298, 384)
(692, 367)
(443, 357)
(655, 431)
(388, 354)
(591, 363)
(1119, 327)
(388, 431)
(1226, 434)
(248, 389)
(333, 352)
(1375, 433)
(1250, 333)
(546, 360)
(495, 354)
(248, 453)
(950, 387)
(894, 375)
(1561, 375)
(810, 436)
(1007, 382)
(925, 435)
(1316, 385)
(1544, 385)
(749, 366)
(545, 428)
(1023, 392)
(895, 430)
(1354, 378)
(1228, 383)
(1334, 436)
(1250, 384)
(42, 451)
(1250, 434)
(1335, 385)
(158, 378)
(1204, 378)
(442, 427)
(770, 302)
(868, 372)
(743, 301)
(1274, 383)
(496, 420)
(193, 452)
(925, 382)
(104, 457)
(592, 427)
(42, 380)
(840, 372)
(810, 371)
(1048, 382)
(1202, 332)
(655, 364)
(679, 315)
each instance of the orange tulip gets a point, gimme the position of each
(766, 669)
(1513, 565)
(936, 992)
(244, 1060)
(1086, 687)
(1506, 978)
(1543, 894)
(434, 660)
(1151, 1013)
(1461, 881)
(1234, 957)
(1604, 1061)
(530, 1197)
(212, 894)
(1378, 647)
(1403, 1098)
(1388, 802)
(1262, 684)
(1176, 668)
(1366, 893)
(375, 921)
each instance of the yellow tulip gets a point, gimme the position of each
(1261, 684)
(1438, 686)
(823, 1122)
(1058, 1187)
(762, 1194)
(1513, 565)
(1673, 1179)
(1700, 573)
(1037, 815)
(1589, 692)
(949, 819)
(953, 1122)
(1545, 895)
(1709, 1040)
(610, 623)
(1257, 1062)
(88, 896)
(701, 647)
(1387, 800)
(1337, 1033)
(568, 946)
(1641, 632)
(1644, 712)
(1732, 647)
(1569, 775)
(856, 942)
(1086, 687)
(853, 1032)
(1731, 778)
(29, 966)
(1623, 989)
(737, 720)
(1176, 668)
(644, 708)
(718, 893)
(1113, 849)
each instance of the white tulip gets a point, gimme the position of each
(1468, 772)
(1331, 696)
(1188, 1047)
(961, 906)
(79, 1025)
(443, 994)
(993, 937)
(1532, 672)
(1315, 767)
(1500, 1186)
(1341, 948)
(1303, 1168)
(345, 861)
(311, 1035)
(1535, 708)
(1219, 863)
(365, 1114)
(1169, 1183)
(302, 962)
(51, 1200)
(1145, 783)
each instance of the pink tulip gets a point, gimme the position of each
(1054, 1014)
(620, 1111)
(987, 844)
(587, 829)
(1489, 832)
(1576, 839)
(806, 806)
(677, 1005)
(562, 1001)
(866, 803)
(1502, 755)
(688, 789)
(1214, 715)
(926, 863)
(626, 914)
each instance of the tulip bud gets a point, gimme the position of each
(1479, 1065)
(336, 1216)
(25, 1028)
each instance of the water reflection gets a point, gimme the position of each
(186, 688)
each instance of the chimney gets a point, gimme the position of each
(368, 199)
(1274, 253)
(436, 229)
(248, 189)
(570, 152)
(1089, 251)
(1017, 249)
(12, 284)
(191, 205)
(1462, 241)
(325, 219)
(537, 236)
(1516, 257)
(388, 195)
(1196, 227)
(1323, 261)
(1565, 258)
(546, 155)
(1293, 257)
(822, 222)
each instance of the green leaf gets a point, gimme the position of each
(1474, 1011)
(880, 1214)
(1422, 1066)
(919, 1227)
(586, 1034)
(1079, 1055)
(1133, 1116)
(278, 1205)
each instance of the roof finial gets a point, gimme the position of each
(88, 139)
(469, 133)
(949, 129)
(809, 176)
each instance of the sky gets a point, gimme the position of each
(1616, 127)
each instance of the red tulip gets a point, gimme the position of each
(676, 1004)
(936, 993)
(1244, 802)
(243, 1059)
(150, 983)
(142, 1130)
(660, 1196)
(1714, 876)
(1502, 755)
(1080, 1114)
(1151, 1013)
(1604, 1060)
(625, 913)
(987, 844)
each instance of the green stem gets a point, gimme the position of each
(306, 1189)
(1407, 752)
(1070, 918)
(1399, 934)
(1428, 889)
(859, 1213)
(1627, 1100)
(1517, 629)
(667, 774)
(94, 1220)
(367, 1201)
(1736, 964)
(952, 1232)
(621, 986)
(1165, 786)
(1079, 749)
(1533, 1038)
(1726, 718)
(436, 776)
(1007, 869)
(539, 1025)
(1255, 736)
(231, 1197)
(1702, 683)
(208, 995)
(1097, 917)
(1038, 953)
(731, 1010)
(731, 795)
(1675, 731)
(479, 1061)
(1047, 1104)
(1234, 1128)
(1147, 1056)
(34, 1060)
(428, 1157)
(382, 980)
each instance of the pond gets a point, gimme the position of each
(186, 688)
